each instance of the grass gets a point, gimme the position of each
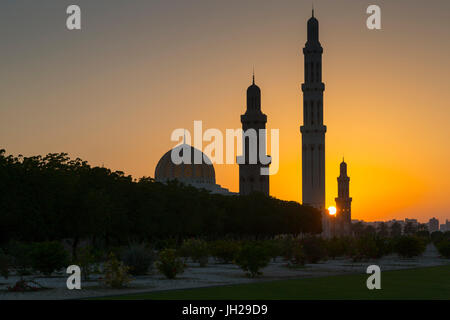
(421, 283)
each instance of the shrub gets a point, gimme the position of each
(85, 260)
(370, 247)
(336, 247)
(409, 246)
(224, 250)
(287, 247)
(314, 249)
(49, 256)
(252, 257)
(116, 274)
(4, 264)
(196, 249)
(272, 247)
(139, 258)
(169, 264)
(298, 256)
(21, 257)
(444, 248)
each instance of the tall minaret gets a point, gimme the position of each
(250, 178)
(313, 130)
(343, 202)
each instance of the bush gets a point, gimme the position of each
(298, 257)
(314, 249)
(21, 257)
(444, 248)
(196, 249)
(287, 247)
(337, 247)
(116, 274)
(224, 250)
(169, 264)
(85, 260)
(370, 247)
(48, 257)
(252, 257)
(4, 264)
(409, 246)
(138, 258)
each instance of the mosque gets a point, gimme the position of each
(313, 148)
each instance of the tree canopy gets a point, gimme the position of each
(54, 197)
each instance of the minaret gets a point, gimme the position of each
(250, 178)
(313, 130)
(343, 202)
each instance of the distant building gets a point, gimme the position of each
(433, 225)
(250, 177)
(343, 203)
(445, 226)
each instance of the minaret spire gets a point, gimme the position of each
(253, 74)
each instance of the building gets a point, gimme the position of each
(253, 120)
(343, 203)
(197, 171)
(433, 225)
(445, 226)
(313, 130)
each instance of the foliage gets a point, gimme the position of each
(138, 258)
(272, 247)
(169, 264)
(286, 246)
(49, 256)
(314, 249)
(5, 263)
(252, 257)
(338, 247)
(116, 273)
(409, 246)
(21, 257)
(444, 248)
(196, 249)
(224, 250)
(54, 197)
(298, 257)
(86, 258)
(370, 247)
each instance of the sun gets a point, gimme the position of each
(332, 210)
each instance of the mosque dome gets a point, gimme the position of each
(188, 173)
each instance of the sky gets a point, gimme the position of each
(113, 92)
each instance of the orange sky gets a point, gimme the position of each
(112, 93)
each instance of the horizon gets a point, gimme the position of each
(113, 100)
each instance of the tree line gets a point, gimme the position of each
(54, 197)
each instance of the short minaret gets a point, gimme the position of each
(250, 178)
(313, 130)
(343, 202)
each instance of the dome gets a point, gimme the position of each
(188, 173)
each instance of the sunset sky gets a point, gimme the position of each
(113, 92)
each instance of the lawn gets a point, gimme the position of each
(421, 283)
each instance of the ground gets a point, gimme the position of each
(214, 275)
(422, 283)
